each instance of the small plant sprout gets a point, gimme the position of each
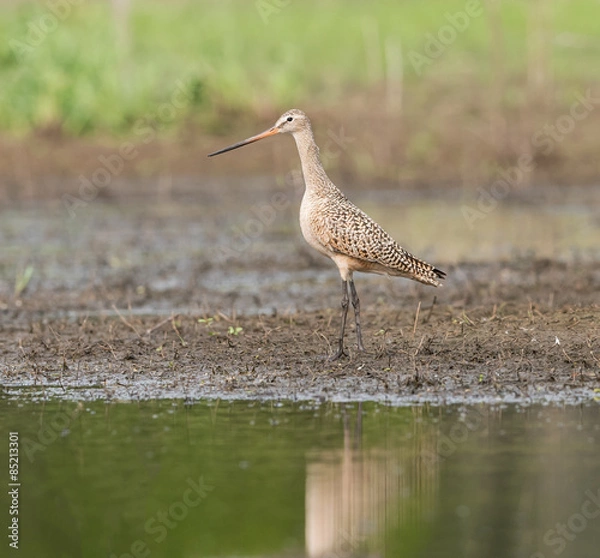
(22, 280)
(235, 330)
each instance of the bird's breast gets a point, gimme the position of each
(312, 224)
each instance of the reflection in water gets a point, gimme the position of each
(306, 479)
(355, 494)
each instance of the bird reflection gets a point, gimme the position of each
(358, 495)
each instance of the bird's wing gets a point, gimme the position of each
(353, 233)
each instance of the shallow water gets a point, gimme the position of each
(303, 479)
(233, 246)
(545, 223)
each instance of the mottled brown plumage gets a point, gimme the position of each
(338, 229)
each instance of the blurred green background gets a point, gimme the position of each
(444, 90)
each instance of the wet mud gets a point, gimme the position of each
(534, 337)
(162, 301)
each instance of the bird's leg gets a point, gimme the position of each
(340, 351)
(356, 305)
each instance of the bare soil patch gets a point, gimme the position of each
(528, 330)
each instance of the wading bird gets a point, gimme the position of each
(338, 229)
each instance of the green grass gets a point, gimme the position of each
(83, 79)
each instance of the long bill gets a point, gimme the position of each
(266, 134)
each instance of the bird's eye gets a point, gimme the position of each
(289, 119)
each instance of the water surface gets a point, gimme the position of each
(235, 245)
(237, 478)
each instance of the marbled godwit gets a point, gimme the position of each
(338, 229)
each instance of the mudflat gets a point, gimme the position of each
(134, 300)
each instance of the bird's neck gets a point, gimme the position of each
(315, 177)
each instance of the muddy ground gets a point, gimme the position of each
(135, 299)
(525, 332)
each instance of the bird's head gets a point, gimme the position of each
(292, 121)
(289, 122)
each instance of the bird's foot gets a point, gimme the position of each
(338, 354)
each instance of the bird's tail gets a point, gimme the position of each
(421, 271)
(430, 275)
